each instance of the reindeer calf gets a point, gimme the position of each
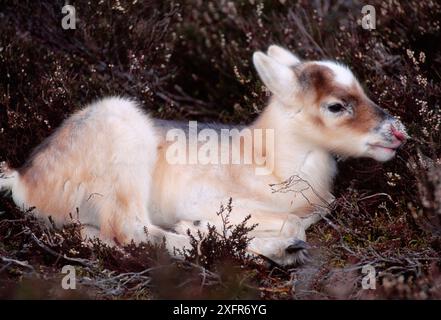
(109, 161)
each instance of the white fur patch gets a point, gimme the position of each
(342, 74)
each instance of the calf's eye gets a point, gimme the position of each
(336, 107)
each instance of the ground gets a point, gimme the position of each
(191, 59)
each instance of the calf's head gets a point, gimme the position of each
(327, 106)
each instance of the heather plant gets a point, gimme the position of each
(191, 59)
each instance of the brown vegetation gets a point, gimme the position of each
(191, 59)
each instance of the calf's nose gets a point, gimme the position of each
(401, 136)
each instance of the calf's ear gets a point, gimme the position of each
(278, 78)
(283, 56)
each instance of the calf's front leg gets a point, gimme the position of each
(279, 237)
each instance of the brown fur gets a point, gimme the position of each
(320, 80)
